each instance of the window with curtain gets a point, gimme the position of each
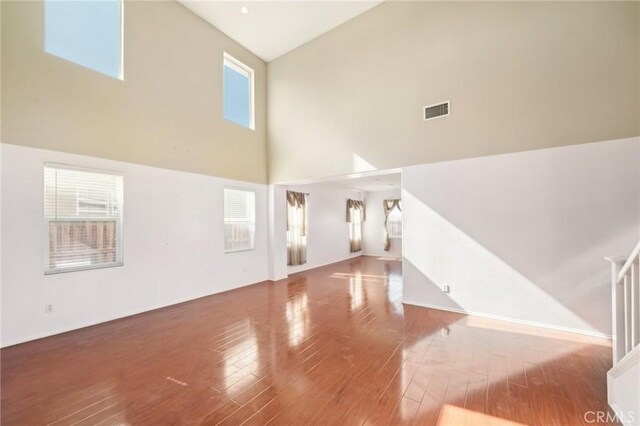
(83, 216)
(297, 226)
(392, 221)
(394, 224)
(239, 220)
(355, 217)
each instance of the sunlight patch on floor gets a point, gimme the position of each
(531, 330)
(457, 416)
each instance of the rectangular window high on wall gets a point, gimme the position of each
(86, 32)
(239, 220)
(83, 218)
(238, 92)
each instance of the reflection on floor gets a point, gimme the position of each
(333, 345)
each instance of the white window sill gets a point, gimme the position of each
(82, 268)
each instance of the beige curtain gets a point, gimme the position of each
(297, 226)
(355, 205)
(355, 217)
(388, 206)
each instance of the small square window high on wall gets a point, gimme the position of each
(238, 93)
(83, 218)
(87, 33)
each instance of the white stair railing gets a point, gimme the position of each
(625, 292)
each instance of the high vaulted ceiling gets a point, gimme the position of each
(272, 28)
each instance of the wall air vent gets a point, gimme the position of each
(436, 111)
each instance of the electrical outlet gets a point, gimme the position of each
(445, 288)
(48, 308)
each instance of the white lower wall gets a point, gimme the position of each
(1, 257)
(518, 236)
(328, 233)
(522, 236)
(373, 227)
(173, 247)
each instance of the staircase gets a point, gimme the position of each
(623, 380)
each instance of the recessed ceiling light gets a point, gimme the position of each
(244, 10)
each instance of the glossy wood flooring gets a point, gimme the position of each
(329, 346)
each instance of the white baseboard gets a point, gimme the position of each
(512, 320)
(274, 279)
(383, 254)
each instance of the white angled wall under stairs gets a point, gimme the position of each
(623, 379)
(623, 388)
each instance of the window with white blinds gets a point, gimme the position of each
(83, 218)
(239, 220)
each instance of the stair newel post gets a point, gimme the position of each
(617, 310)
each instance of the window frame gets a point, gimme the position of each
(289, 231)
(224, 219)
(356, 227)
(46, 222)
(395, 237)
(120, 75)
(244, 69)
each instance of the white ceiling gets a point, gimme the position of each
(272, 28)
(384, 182)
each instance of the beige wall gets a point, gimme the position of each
(167, 112)
(519, 75)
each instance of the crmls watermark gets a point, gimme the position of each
(628, 417)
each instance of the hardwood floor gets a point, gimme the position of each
(333, 345)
